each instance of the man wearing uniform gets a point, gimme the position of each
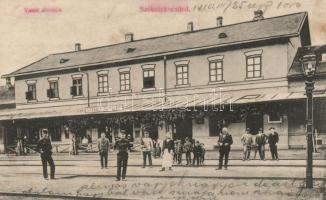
(147, 148)
(44, 147)
(225, 141)
(122, 145)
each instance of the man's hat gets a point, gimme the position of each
(248, 129)
(270, 128)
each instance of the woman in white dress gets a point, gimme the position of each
(167, 152)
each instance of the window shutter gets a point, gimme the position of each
(73, 90)
(27, 95)
(48, 92)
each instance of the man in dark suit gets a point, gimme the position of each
(225, 141)
(44, 147)
(272, 141)
(123, 147)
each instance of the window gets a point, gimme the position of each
(31, 92)
(182, 75)
(215, 71)
(274, 117)
(254, 66)
(103, 83)
(77, 87)
(148, 78)
(124, 81)
(53, 91)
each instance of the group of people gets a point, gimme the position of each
(122, 146)
(171, 151)
(225, 141)
(259, 144)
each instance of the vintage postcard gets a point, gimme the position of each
(163, 99)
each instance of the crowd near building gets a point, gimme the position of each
(240, 76)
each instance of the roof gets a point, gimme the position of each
(296, 69)
(154, 105)
(268, 28)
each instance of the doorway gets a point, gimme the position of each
(254, 122)
(183, 129)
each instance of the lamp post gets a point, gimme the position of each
(309, 69)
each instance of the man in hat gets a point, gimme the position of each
(103, 147)
(44, 147)
(225, 141)
(261, 140)
(272, 141)
(246, 141)
(147, 148)
(122, 146)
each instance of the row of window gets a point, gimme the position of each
(253, 70)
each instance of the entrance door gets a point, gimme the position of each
(254, 122)
(152, 129)
(183, 129)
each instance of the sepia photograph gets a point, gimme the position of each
(163, 99)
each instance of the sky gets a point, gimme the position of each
(33, 29)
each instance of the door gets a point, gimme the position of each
(183, 129)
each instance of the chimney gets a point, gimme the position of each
(129, 37)
(77, 47)
(219, 21)
(259, 15)
(8, 83)
(190, 27)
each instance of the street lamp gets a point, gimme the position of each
(309, 64)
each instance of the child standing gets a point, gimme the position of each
(203, 152)
(187, 148)
(197, 152)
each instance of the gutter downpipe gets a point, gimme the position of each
(165, 83)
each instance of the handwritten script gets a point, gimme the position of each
(180, 189)
(234, 5)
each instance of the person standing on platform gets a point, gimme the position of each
(261, 140)
(224, 141)
(167, 153)
(103, 148)
(89, 143)
(203, 152)
(272, 141)
(246, 141)
(44, 147)
(147, 148)
(197, 153)
(187, 148)
(122, 146)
